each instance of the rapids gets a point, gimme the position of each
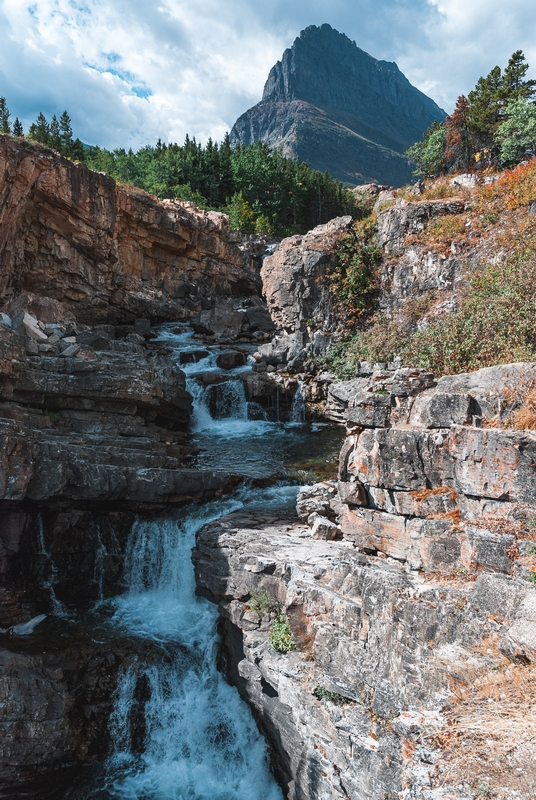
(179, 731)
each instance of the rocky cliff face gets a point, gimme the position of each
(419, 277)
(110, 253)
(337, 108)
(407, 579)
(93, 426)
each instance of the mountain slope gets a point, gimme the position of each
(331, 104)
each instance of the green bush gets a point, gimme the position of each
(353, 280)
(495, 323)
(332, 697)
(380, 342)
(263, 603)
(281, 637)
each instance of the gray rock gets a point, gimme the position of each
(71, 351)
(315, 500)
(230, 359)
(25, 323)
(142, 327)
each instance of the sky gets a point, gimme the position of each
(132, 71)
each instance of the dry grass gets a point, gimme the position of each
(518, 406)
(524, 418)
(439, 189)
(491, 727)
(518, 523)
(515, 189)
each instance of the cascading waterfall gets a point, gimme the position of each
(297, 410)
(179, 731)
(48, 571)
(199, 741)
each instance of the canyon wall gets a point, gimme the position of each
(407, 577)
(110, 253)
(93, 426)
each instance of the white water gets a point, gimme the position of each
(297, 411)
(197, 740)
(25, 628)
(200, 740)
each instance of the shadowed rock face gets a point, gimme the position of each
(334, 106)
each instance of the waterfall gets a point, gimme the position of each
(48, 572)
(100, 565)
(198, 740)
(297, 410)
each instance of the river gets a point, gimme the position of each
(179, 731)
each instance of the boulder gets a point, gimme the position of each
(230, 359)
(294, 278)
(26, 324)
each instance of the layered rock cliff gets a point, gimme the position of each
(332, 105)
(407, 582)
(110, 253)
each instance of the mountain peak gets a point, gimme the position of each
(326, 87)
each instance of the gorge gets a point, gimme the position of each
(156, 411)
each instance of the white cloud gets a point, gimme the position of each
(469, 38)
(129, 72)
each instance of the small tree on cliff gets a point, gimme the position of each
(516, 137)
(458, 137)
(17, 128)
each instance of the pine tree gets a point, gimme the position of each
(66, 134)
(17, 128)
(77, 150)
(484, 110)
(54, 139)
(4, 116)
(40, 130)
(514, 86)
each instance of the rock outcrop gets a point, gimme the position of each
(337, 108)
(419, 277)
(408, 577)
(111, 253)
(295, 286)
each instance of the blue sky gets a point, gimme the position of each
(130, 71)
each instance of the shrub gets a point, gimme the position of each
(515, 189)
(380, 342)
(263, 603)
(332, 697)
(353, 279)
(445, 230)
(495, 324)
(281, 637)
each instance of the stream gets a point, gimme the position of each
(179, 731)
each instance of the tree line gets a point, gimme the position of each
(261, 190)
(493, 126)
(58, 133)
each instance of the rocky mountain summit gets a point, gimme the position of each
(339, 109)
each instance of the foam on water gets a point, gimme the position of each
(200, 741)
